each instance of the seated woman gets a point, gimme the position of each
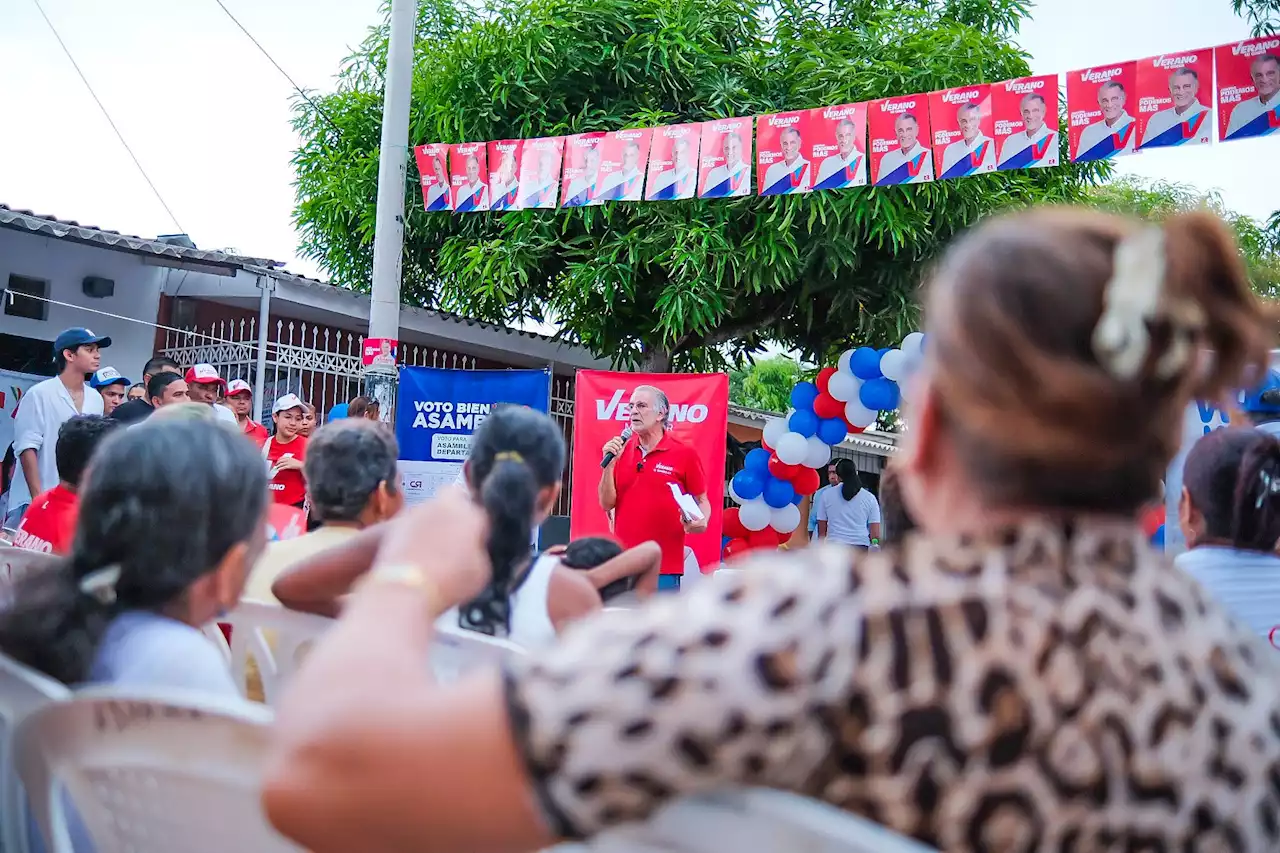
(1023, 673)
(1230, 517)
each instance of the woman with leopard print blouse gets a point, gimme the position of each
(1022, 673)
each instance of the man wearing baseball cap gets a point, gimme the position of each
(204, 385)
(286, 451)
(45, 408)
(112, 386)
(240, 400)
(1262, 404)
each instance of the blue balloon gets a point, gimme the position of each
(758, 460)
(805, 423)
(880, 394)
(1157, 538)
(778, 493)
(883, 350)
(865, 363)
(748, 484)
(803, 395)
(832, 431)
(798, 499)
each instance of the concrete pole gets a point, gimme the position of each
(388, 236)
(267, 284)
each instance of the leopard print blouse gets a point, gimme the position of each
(1059, 687)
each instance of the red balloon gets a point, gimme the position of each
(827, 407)
(736, 547)
(806, 482)
(732, 526)
(780, 469)
(824, 376)
(767, 538)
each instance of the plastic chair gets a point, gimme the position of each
(149, 772)
(22, 691)
(16, 562)
(276, 638)
(455, 652)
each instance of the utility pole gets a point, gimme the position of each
(380, 379)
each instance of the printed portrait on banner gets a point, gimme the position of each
(725, 170)
(838, 146)
(433, 174)
(900, 135)
(504, 174)
(540, 171)
(782, 167)
(1100, 113)
(469, 176)
(673, 162)
(1174, 94)
(581, 178)
(624, 155)
(1025, 126)
(1248, 88)
(963, 131)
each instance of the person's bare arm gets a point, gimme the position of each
(608, 491)
(570, 597)
(30, 462)
(319, 583)
(822, 529)
(874, 530)
(644, 561)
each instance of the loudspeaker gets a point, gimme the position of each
(98, 287)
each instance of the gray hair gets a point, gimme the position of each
(660, 401)
(346, 462)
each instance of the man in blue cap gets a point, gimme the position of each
(1262, 404)
(112, 386)
(45, 408)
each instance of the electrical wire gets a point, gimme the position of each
(111, 122)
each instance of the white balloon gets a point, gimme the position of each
(893, 364)
(733, 493)
(817, 453)
(858, 414)
(785, 519)
(774, 429)
(792, 448)
(844, 386)
(755, 515)
(912, 343)
(843, 364)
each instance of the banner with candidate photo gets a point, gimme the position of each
(1248, 88)
(781, 165)
(504, 174)
(963, 131)
(1100, 120)
(433, 174)
(837, 146)
(1174, 93)
(540, 172)
(581, 177)
(624, 155)
(673, 162)
(1025, 122)
(725, 162)
(469, 176)
(900, 133)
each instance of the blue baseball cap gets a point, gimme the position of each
(72, 338)
(108, 376)
(338, 412)
(1257, 401)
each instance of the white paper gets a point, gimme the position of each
(688, 506)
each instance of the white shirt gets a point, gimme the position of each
(782, 168)
(42, 410)
(1097, 132)
(434, 194)
(542, 192)
(838, 163)
(849, 521)
(1018, 142)
(721, 174)
(615, 179)
(143, 649)
(1165, 119)
(1247, 111)
(466, 191)
(531, 624)
(959, 150)
(580, 186)
(680, 176)
(222, 413)
(1246, 583)
(500, 191)
(898, 157)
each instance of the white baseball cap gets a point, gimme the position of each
(288, 401)
(238, 386)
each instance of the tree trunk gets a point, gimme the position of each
(657, 359)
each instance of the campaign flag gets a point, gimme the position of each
(725, 161)
(624, 155)
(1248, 88)
(837, 146)
(699, 418)
(580, 183)
(1174, 96)
(1099, 118)
(433, 174)
(540, 171)
(285, 522)
(469, 176)
(439, 410)
(1025, 113)
(900, 138)
(781, 165)
(963, 131)
(673, 162)
(504, 174)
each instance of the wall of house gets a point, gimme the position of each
(65, 265)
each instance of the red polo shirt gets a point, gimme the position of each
(49, 524)
(255, 431)
(646, 509)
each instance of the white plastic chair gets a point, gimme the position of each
(455, 652)
(274, 636)
(22, 691)
(149, 772)
(15, 563)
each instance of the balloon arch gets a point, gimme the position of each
(777, 477)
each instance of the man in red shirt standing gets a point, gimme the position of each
(49, 524)
(286, 451)
(636, 485)
(240, 401)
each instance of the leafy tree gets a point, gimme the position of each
(677, 284)
(1263, 15)
(766, 383)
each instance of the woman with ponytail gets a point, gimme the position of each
(1230, 516)
(849, 513)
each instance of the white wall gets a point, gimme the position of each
(65, 265)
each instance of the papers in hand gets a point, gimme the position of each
(688, 506)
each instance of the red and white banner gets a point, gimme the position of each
(673, 162)
(1025, 113)
(699, 418)
(433, 173)
(469, 176)
(1100, 107)
(725, 170)
(624, 155)
(540, 172)
(963, 131)
(581, 179)
(781, 165)
(900, 135)
(1248, 88)
(837, 146)
(1174, 99)
(504, 174)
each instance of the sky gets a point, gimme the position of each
(208, 116)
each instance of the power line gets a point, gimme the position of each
(270, 59)
(102, 107)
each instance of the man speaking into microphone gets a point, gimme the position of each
(636, 484)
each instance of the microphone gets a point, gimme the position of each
(608, 457)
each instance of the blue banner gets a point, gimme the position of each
(438, 411)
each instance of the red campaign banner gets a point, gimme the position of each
(1174, 93)
(699, 418)
(1025, 122)
(540, 171)
(624, 154)
(433, 174)
(1248, 88)
(1099, 112)
(673, 162)
(469, 176)
(837, 146)
(285, 522)
(781, 145)
(963, 131)
(580, 181)
(900, 137)
(504, 174)
(725, 163)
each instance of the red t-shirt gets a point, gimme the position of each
(287, 487)
(256, 431)
(646, 509)
(49, 524)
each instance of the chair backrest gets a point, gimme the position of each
(16, 562)
(22, 691)
(455, 652)
(149, 772)
(276, 638)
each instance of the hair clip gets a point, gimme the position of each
(101, 584)
(1270, 487)
(507, 456)
(1129, 301)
